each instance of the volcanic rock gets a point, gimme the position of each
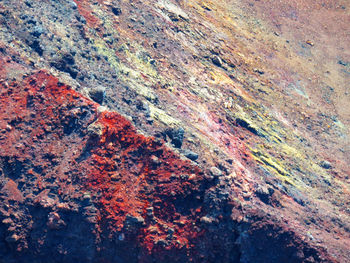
(260, 87)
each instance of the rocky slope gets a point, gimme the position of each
(174, 131)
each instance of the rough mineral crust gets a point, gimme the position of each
(174, 131)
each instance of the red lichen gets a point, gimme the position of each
(134, 172)
(141, 188)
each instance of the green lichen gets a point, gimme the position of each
(161, 116)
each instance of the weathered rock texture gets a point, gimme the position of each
(174, 131)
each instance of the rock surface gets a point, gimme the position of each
(223, 135)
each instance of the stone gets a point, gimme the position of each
(37, 31)
(73, 4)
(325, 164)
(7, 221)
(97, 94)
(176, 136)
(259, 71)
(161, 242)
(95, 129)
(55, 221)
(191, 155)
(134, 220)
(264, 193)
(206, 220)
(216, 61)
(155, 160)
(116, 10)
(310, 43)
(215, 172)
(343, 63)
